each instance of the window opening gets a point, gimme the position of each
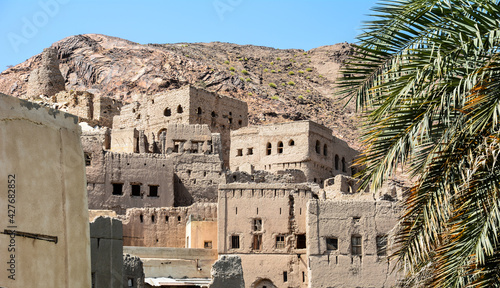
(153, 191)
(301, 241)
(257, 224)
(318, 147)
(280, 242)
(257, 242)
(291, 143)
(382, 245)
(332, 244)
(336, 162)
(136, 190)
(198, 111)
(239, 152)
(235, 241)
(269, 147)
(179, 109)
(88, 159)
(167, 112)
(325, 150)
(356, 245)
(280, 147)
(207, 245)
(117, 189)
(250, 151)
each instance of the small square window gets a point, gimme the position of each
(280, 242)
(130, 282)
(239, 152)
(301, 241)
(207, 245)
(153, 191)
(250, 151)
(257, 224)
(285, 276)
(136, 190)
(117, 189)
(235, 241)
(332, 244)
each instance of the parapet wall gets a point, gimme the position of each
(162, 227)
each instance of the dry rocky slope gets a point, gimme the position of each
(279, 85)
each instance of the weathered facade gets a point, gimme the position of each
(44, 228)
(162, 227)
(302, 145)
(288, 235)
(188, 105)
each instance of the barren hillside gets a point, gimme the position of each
(279, 85)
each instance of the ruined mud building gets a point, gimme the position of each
(305, 219)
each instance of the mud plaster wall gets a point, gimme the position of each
(168, 228)
(341, 219)
(187, 105)
(144, 170)
(282, 210)
(303, 145)
(41, 147)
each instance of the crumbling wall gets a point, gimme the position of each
(131, 180)
(133, 272)
(227, 272)
(46, 80)
(106, 246)
(336, 259)
(302, 145)
(162, 227)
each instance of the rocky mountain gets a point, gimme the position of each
(278, 84)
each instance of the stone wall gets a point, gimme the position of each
(162, 227)
(336, 259)
(46, 80)
(106, 242)
(133, 272)
(42, 197)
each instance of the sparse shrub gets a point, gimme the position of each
(248, 80)
(294, 55)
(279, 70)
(305, 53)
(250, 94)
(308, 91)
(232, 73)
(240, 59)
(265, 70)
(272, 63)
(232, 69)
(275, 97)
(291, 83)
(279, 58)
(226, 62)
(242, 79)
(308, 77)
(309, 61)
(272, 85)
(301, 97)
(309, 69)
(293, 61)
(186, 55)
(272, 71)
(291, 73)
(320, 76)
(301, 72)
(246, 59)
(283, 84)
(244, 72)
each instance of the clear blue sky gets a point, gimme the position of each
(28, 26)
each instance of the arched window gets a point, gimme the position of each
(318, 147)
(269, 147)
(336, 162)
(179, 109)
(167, 112)
(280, 147)
(291, 142)
(198, 111)
(161, 131)
(325, 150)
(344, 168)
